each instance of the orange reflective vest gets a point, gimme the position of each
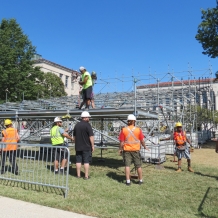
(132, 142)
(10, 135)
(180, 138)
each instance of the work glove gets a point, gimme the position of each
(191, 149)
(67, 116)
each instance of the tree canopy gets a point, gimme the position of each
(207, 33)
(17, 74)
(52, 86)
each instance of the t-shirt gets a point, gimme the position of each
(82, 132)
(122, 136)
(61, 131)
(88, 82)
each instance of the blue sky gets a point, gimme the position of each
(116, 38)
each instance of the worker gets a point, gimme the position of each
(87, 87)
(84, 144)
(131, 138)
(57, 138)
(9, 135)
(94, 78)
(182, 150)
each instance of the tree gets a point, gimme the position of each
(52, 86)
(204, 118)
(208, 32)
(17, 74)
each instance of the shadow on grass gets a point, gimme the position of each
(171, 168)
(201, 174)
(109, 162)
(32, 187)
(201, 206)
(115, 176)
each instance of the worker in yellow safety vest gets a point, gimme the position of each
(57, 139)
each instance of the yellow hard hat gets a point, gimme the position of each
(178, 124)
(7, 122)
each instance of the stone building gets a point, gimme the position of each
(68, 76)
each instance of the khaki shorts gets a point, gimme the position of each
(132, 156)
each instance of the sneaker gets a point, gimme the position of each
(140, 182)
(190, 170)
(86, 178)
(128, 183)
(56, 172)
(178, 170)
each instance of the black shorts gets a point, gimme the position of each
(83, 157)
(59, 154)
(87, 93)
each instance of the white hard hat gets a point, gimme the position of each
(57, 119)
(85, 114)
(131, 117)
(82, 68)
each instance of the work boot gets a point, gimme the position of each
(178, 170)
(190, 170)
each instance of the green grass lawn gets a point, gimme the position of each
(164, 193)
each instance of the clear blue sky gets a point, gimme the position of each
(115, 38)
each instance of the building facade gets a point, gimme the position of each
(202, 92)
(69, 77)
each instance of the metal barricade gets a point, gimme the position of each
(34, 164)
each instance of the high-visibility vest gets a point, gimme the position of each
(132, 142)
(180, 138)
(89, 81)
(10, 135)
(56, 137)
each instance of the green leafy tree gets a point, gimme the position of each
(208, 32)
(204, 118)
(52, 86)
(17, 74)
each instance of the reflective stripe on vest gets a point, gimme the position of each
(131, 134)
(56, 137)
(131, 143)
(180, 138)
(10, 135)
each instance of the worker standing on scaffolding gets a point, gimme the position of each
(87, 87)
(131, 138)
(182, 150)
(94, 78)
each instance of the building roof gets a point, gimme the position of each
(179, 83)
(42, 60)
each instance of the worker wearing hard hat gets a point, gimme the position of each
(131, 138)
(57, 139)
(87, 87)
(94, 78)
(9, 135)
(182, 149)
(84, 144)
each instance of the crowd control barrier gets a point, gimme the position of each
(34, 164)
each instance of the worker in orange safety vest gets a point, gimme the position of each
(9, 135)
(131, 139)
(182, 150)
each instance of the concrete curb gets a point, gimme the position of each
(11, 208)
